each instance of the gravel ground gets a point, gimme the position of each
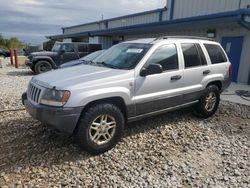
(171, 150)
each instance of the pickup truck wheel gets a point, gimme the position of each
(42, 66)
(100, 128)
(209, 103)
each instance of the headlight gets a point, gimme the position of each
(54, 97)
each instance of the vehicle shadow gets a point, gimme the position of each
(20, 73)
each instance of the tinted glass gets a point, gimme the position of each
(82, 48)
(166, 56)
(202, 56)
(123, 56)
(215, 53)
(94, 47)
(191, 55)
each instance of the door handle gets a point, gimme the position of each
(177, 77)
(206, 72)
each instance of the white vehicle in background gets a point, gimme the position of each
(128, 82)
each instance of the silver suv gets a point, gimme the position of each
(129, 81)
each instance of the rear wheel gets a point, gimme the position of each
(100, 128)
(42, 66)
(208, 103)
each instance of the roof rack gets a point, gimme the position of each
(184, 37)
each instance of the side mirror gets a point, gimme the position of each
(151, 69)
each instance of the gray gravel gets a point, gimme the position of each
(171, 150)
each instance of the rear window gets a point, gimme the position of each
(215, 53)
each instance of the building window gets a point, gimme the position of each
(166, 56)
(215, 53)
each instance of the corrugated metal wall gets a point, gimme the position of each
(189, 8)
(182, 9)
(141, 19)
(81, 28)
(245, 3)
(106, 42)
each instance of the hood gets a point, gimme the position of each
(43, 53)
(71, 63)
(81, 75)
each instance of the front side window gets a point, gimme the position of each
(215, 53)
(191, 55)
(123, 56)
(67, 47)
(166, 56)
(56, 47)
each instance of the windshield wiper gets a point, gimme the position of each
(107, 65)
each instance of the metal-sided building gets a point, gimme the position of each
(227, 21)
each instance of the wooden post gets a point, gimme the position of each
(16, 58)
(11, 56)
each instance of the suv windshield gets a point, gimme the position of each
(56, 47)
(123, 56)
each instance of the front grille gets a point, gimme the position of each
(34, 93)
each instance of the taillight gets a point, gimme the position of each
(230, 69)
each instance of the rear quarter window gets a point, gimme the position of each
(82, 48)
(215, 53)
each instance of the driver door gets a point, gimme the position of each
(69, 53)
(160, 91)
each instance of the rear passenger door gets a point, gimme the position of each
(160, 91)
(195, 69)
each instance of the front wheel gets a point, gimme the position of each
(100, 128)
(42, 66)
(208, 103)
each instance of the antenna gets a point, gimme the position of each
(102, 16)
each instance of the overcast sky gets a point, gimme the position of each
(32, 20)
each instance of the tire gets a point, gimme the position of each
(42, 66)
(93, 137)
(209, 102)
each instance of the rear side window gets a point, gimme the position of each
(166, 56)
(215, 53)
(82, 48)
(94, 47)
(193, 55)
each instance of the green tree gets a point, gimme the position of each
(12, 42)
(48, 45)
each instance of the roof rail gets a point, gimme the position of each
(184, 37)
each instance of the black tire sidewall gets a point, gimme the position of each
(82, 133)
(201, 110)
(39, 63)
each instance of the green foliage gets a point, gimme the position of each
(48, 45)
(12, 42)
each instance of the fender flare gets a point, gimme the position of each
(46, 58)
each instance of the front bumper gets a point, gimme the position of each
(226, 83)
(28, 63)
(62, 119)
